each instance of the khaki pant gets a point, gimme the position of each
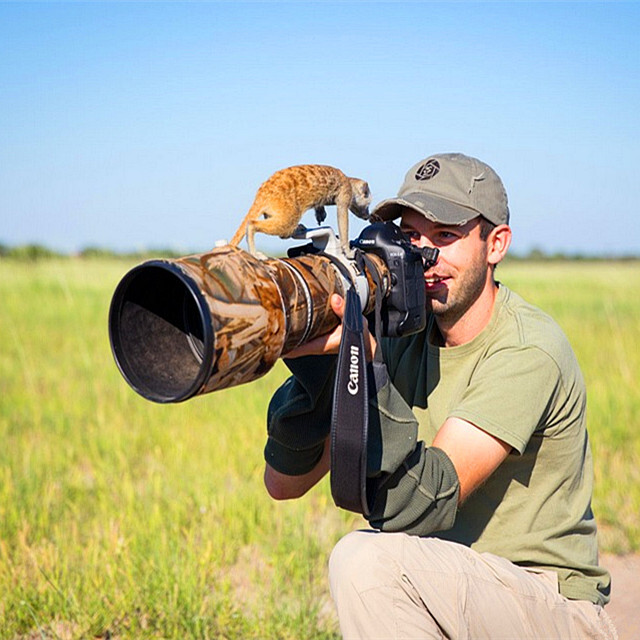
(392, 586)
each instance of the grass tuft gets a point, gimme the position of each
(124, 519)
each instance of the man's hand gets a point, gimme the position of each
(330, 342)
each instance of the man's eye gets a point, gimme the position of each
(412, 234)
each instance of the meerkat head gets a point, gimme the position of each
(361, 198)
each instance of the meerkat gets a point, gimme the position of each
(282, 200)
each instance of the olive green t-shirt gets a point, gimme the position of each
(518, 380)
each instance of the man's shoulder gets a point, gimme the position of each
(537, 338)
(528, 326)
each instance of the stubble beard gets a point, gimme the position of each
(452, 304)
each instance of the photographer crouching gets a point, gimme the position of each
(478, 468)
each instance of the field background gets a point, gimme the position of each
(120, 518)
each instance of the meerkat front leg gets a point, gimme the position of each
(251, 232)
(343, 228)
(321, 214)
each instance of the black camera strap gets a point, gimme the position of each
(350, 416)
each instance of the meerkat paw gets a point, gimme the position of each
(347, 250)
(300, 230)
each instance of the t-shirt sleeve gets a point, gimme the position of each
(510, 394)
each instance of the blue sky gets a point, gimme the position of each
(151, 124)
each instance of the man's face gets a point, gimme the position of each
(462, 271)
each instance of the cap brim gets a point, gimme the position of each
(432, 208)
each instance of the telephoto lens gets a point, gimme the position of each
(185, 327)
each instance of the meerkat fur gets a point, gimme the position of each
(282, 200)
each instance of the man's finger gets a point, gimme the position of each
(337, 304)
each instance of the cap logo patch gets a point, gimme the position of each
(428, 170)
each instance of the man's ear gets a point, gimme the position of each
(498, 243)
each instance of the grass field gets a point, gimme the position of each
(120, 518)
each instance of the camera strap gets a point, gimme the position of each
(350, 415)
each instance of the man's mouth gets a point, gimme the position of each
(431, 280)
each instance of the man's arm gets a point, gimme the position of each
(475, 454)
(284, 487)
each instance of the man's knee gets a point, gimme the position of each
(372, 590)
(347, 558)
(352, 560)
(360, 561)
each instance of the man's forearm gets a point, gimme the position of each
(285, 487)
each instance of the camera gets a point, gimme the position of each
(200, 323)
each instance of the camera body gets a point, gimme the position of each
(403, 310)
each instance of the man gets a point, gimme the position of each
(482, 524)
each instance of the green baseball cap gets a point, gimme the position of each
(449, 188)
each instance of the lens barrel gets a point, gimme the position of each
(180, 328)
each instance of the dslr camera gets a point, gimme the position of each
(185, 327)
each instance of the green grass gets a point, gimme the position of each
(125, 519)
